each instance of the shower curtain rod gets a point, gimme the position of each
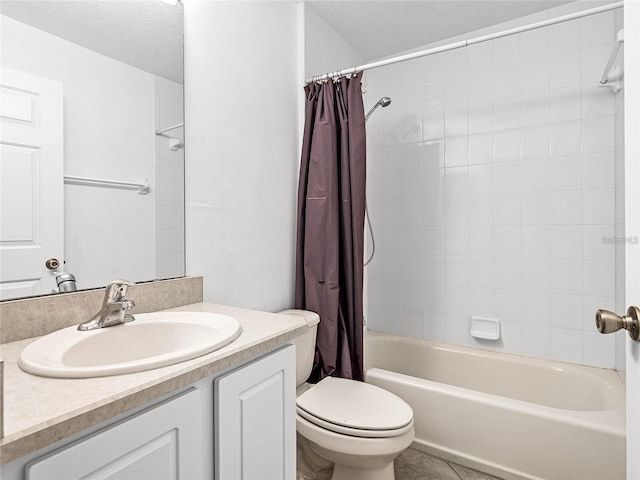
(464, 43)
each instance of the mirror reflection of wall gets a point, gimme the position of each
(111, 111)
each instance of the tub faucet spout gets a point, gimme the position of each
(114, 307)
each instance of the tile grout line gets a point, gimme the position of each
(454, 471)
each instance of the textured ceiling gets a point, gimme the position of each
(142, 33)
(377, 29)
(149, 34)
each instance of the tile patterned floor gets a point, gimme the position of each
(415, 465)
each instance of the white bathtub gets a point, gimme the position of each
(511, 416)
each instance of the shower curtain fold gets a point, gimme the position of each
(330, 229)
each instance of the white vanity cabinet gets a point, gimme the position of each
(239, 425)
(169, 441)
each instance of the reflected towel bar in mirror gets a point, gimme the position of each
(142, 188)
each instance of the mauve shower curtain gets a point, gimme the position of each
(330, 243)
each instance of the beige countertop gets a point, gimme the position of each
(39, 411)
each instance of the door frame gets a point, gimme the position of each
(632, 223)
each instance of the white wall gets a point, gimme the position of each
(491, 185)
(108, 133)
(169, 181)
(242, 154)
(324, 49)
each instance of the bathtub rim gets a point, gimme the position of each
(611, 420)
(491, 353)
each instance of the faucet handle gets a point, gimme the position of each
(117, 290)
(114, 307)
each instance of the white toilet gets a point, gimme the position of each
(358, 427)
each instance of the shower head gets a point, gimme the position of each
(384, 102)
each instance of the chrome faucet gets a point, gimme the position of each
(114, 307)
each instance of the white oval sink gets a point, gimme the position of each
(152, 340)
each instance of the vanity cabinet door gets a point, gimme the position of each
(255, 420)
(164, 443)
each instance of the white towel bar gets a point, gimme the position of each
(142, 188)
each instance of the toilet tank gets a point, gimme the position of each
(305, 344)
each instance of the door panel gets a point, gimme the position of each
(31, 182)
(255, 420)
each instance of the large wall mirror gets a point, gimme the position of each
(92, 139)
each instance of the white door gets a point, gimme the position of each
(31, 182)
(632, 223)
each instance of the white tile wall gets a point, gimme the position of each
(497, 186)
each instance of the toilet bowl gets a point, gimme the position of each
(358, 427)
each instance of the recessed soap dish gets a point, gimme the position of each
(485, 328)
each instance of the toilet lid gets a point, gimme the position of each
(355, 405)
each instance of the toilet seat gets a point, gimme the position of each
(354, 432)
(355, 408)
